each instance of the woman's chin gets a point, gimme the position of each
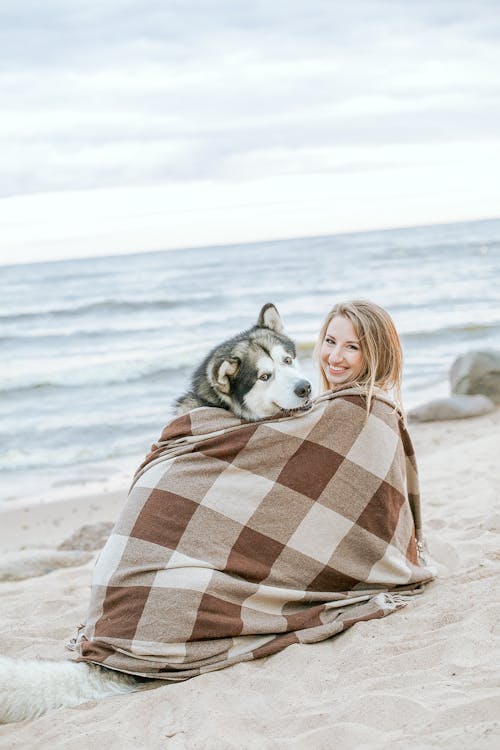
(336, 380)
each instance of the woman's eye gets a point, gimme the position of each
(288, 360)
(264, 376)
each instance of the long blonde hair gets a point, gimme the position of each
(379, 343)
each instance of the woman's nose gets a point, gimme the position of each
(335, 355)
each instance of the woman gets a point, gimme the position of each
(359, 349)
(358, 343)
(267, 533)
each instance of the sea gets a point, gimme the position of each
(95, 351)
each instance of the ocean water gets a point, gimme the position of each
(95, 351)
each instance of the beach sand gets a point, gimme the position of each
(426, 677)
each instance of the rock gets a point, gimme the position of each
(89, 537)
(477, 372)
(32, 563)
(454, 407)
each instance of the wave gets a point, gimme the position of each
(73, 454)
(453, 330)
(31, 336)
(104, 306)
(96, 378)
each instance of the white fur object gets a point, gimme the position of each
(30, 687)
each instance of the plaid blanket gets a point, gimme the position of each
(239, 539)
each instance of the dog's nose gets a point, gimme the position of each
(302, 389)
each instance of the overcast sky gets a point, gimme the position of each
(152, 124)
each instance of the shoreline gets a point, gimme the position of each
(434, 665)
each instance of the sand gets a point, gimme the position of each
(426, 677)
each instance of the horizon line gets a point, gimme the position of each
(249, 243)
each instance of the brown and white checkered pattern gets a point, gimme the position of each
(238, 539)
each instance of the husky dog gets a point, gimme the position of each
(254, 375)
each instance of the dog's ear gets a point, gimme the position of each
(269, 317)
(221, 373)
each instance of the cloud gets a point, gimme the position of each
(117, 93)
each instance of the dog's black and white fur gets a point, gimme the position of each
(254, 375)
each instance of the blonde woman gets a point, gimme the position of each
(358, 345)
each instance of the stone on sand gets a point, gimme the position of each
(477, 372)
(33, 563)
(91, 536)
(454, 407)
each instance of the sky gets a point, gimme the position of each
(154, 124)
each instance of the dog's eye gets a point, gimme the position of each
(288, 361)
(264, 376)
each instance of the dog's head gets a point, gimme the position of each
(256, 374)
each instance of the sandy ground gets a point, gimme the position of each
(426, 677)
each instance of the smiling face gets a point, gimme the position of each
(340, 356)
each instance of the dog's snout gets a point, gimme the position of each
(302, 389)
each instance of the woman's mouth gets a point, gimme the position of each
(337, 370)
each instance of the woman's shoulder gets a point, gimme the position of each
(386, 410)
(359, 394)
(352, 404)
